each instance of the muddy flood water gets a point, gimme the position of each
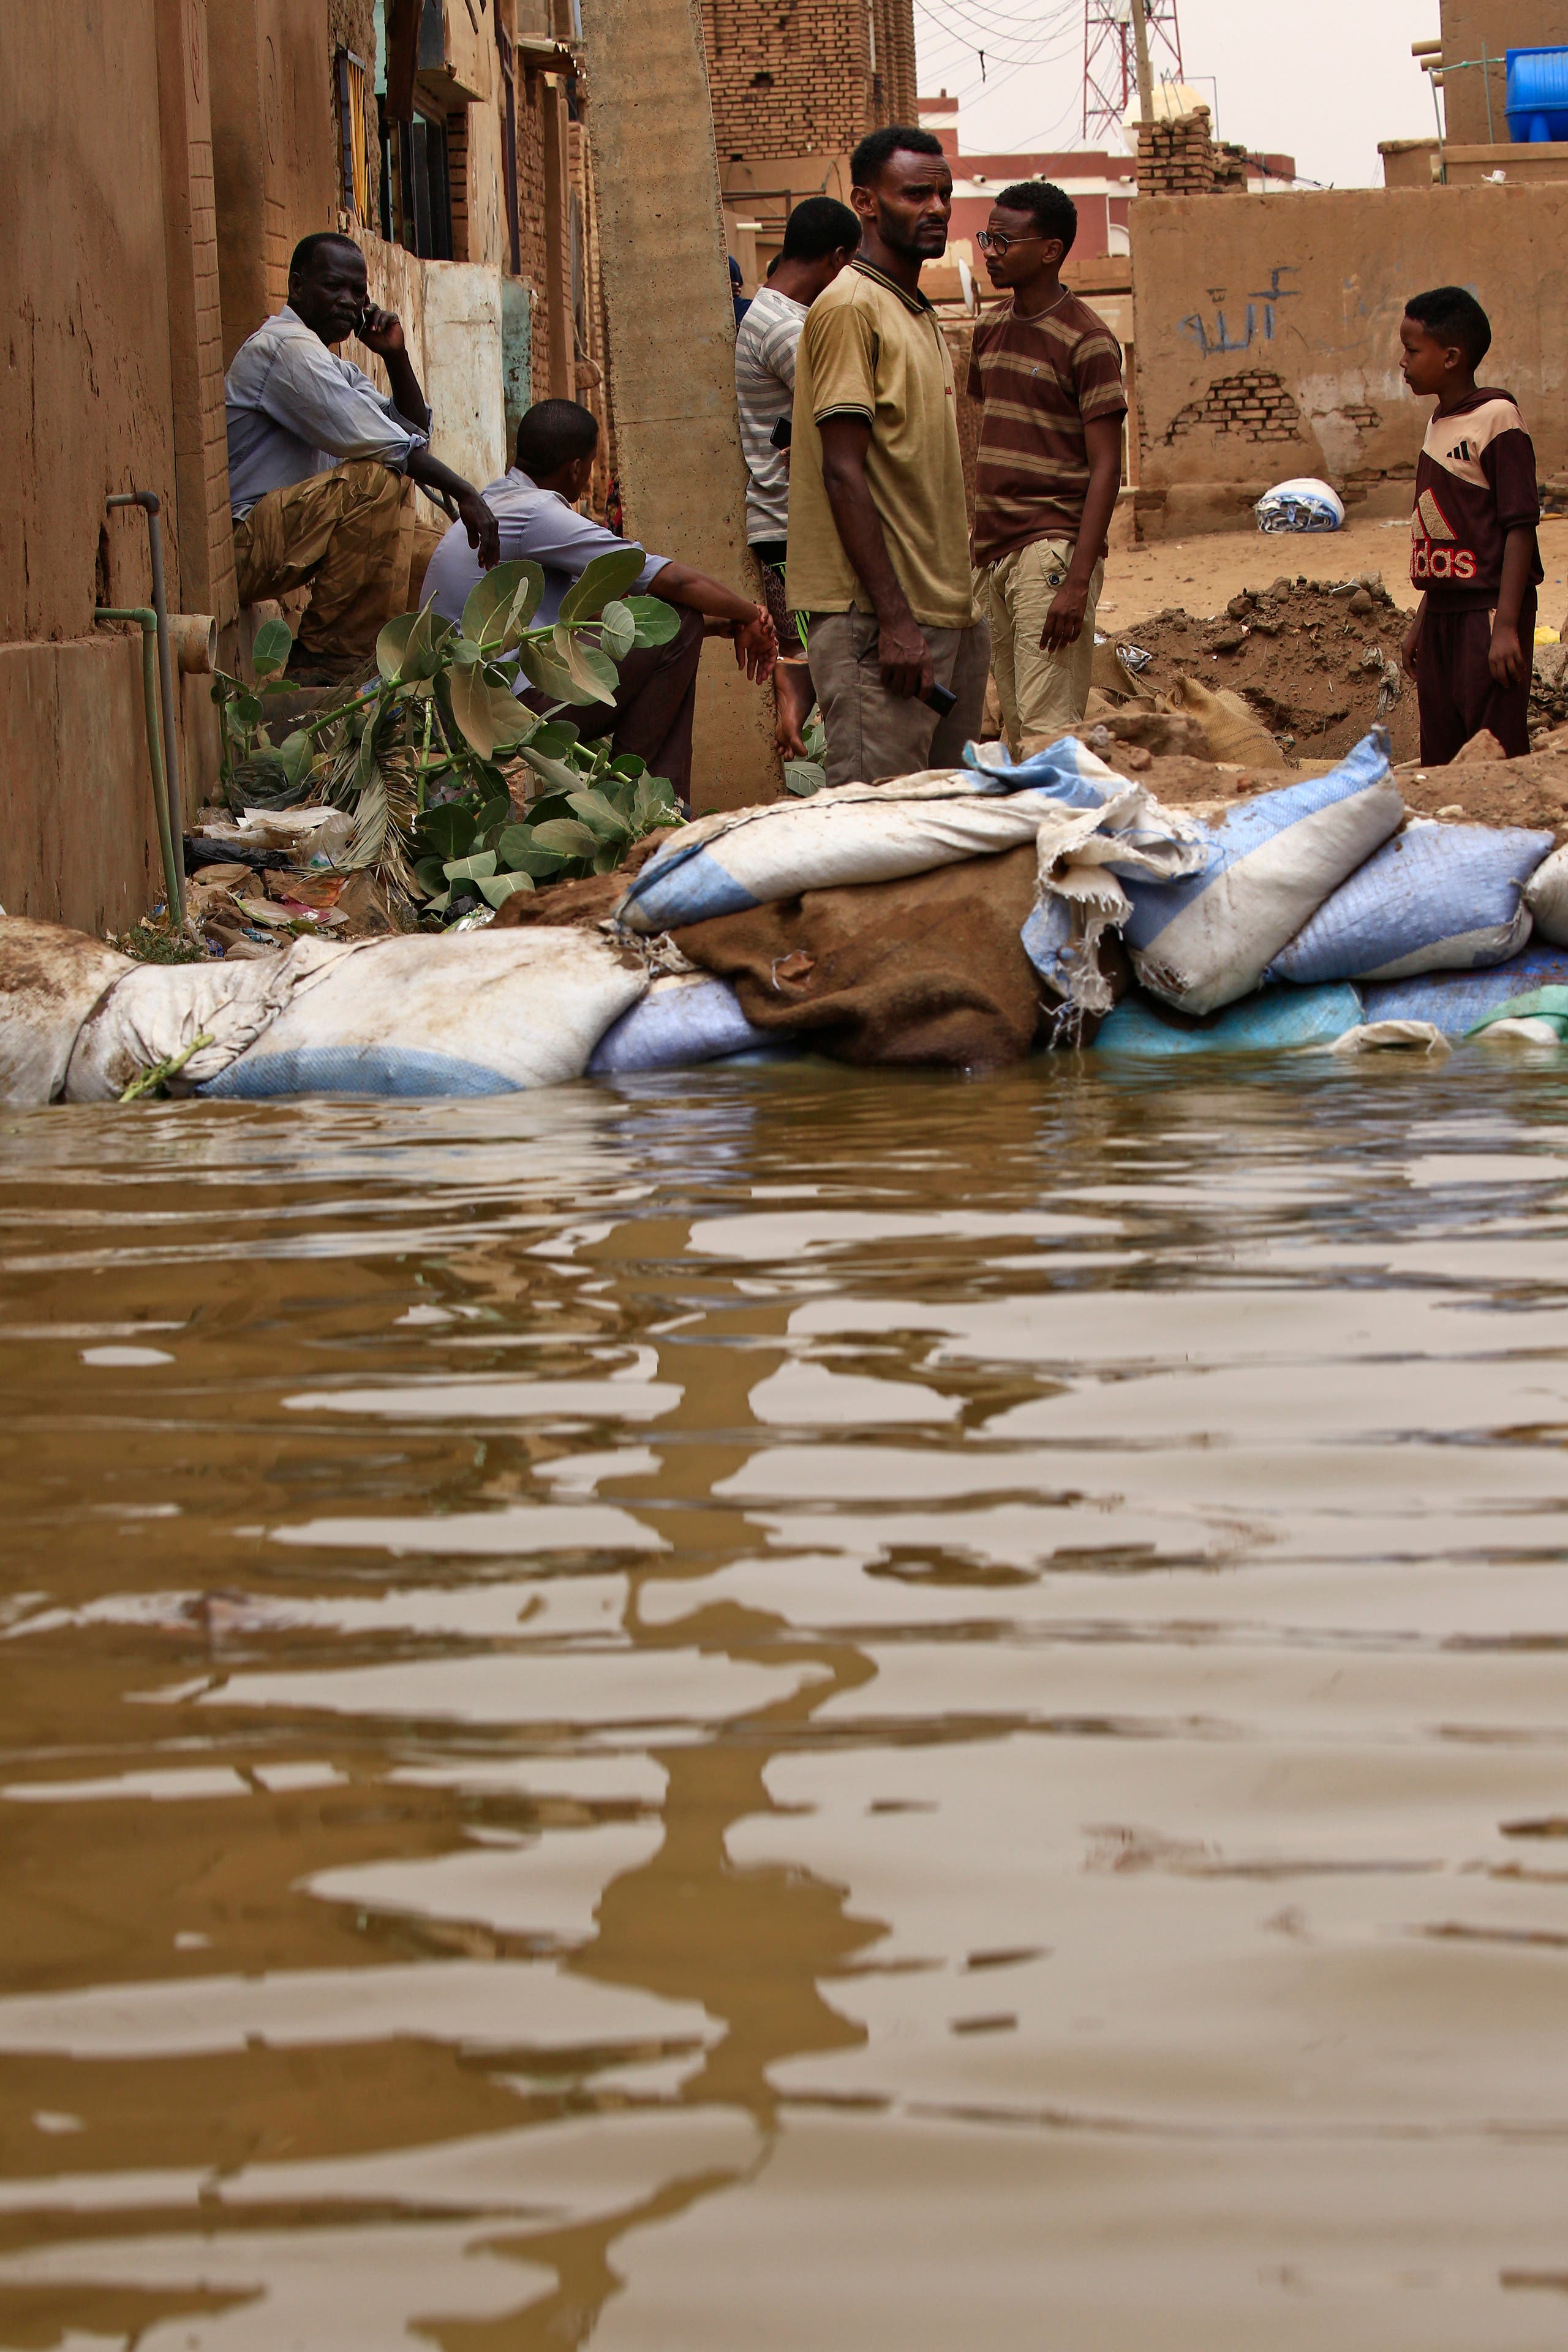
(790, 1710)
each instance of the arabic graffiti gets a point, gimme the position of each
(1217, 338)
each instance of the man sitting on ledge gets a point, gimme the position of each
(321, 464)
(535, 505)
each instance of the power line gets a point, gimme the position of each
(995, 44)
(1002, 19)
(987, 49)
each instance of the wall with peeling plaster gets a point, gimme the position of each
(1268, 330)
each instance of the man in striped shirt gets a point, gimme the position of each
(1049, 372)
(821, 236)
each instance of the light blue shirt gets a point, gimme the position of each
(533, 524)
(293, 408)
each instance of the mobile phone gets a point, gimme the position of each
(941, 699)
(779, 438)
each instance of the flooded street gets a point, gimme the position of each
(786, 1709)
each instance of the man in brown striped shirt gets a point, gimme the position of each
(1049, 372)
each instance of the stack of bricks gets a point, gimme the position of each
(1254, 403)
(1229, 170)
(1176, 158)
(806, 76)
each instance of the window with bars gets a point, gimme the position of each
(353, 132)
(417, 184)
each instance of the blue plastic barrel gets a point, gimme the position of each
(1537, 95)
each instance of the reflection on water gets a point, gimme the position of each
(787, 1708)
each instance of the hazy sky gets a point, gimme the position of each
(1323, 83)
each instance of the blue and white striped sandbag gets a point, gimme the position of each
(740, 859)
(1204, 942)
(1454, 1002)
(1437, 897)
(474, 1012)
(1065, 770)
(685, 1018)
(1277, 1020)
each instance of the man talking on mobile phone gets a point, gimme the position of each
(878, 533)
(321, 465)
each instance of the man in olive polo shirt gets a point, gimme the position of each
(878, 533)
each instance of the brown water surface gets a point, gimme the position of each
(789, 1711)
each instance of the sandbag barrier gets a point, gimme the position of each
(1313, 915)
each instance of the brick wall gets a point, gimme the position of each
(806, 76)
(1254, 403)
(1181, 157)
(457, 179)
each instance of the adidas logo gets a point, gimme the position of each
(1431, 518)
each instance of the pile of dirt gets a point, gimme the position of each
(1531, 792)
(1317, 660)
(1548, 690)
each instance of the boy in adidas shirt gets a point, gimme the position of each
(1473, 552)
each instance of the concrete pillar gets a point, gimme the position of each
(199, 525)
(672, 343)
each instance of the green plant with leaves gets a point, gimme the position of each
(808, 775)
(460, 794)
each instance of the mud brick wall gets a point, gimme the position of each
(1267, 338)
(806, 76)
(1253, 403)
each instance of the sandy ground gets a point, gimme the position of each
(1203, 574)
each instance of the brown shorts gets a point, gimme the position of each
(770, 555)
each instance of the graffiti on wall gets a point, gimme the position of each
(1257, 320)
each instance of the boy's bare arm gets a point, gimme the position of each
(1508, 660)
(1064, 620)
(1412, 639)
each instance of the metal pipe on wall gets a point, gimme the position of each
(147, 620)
(148, 502)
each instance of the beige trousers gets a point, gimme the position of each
(871, 733)
(1042, 694)
(347, 535)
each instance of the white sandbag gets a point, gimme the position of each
(1546, 895)
(740, 859)
(1205, 941)
(684, 1018)
(1393, 1037)
(1304, 503)
(477, 1012)
(1437, 897)
(155, 1013)
(50, 979)
(1085, 857)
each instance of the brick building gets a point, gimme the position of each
(795, 84)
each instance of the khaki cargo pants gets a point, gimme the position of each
(872, 733)
(1042, 694)
(347, 535)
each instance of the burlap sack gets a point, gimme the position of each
(1231, 731)
(929, 970)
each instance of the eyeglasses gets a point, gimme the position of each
(993, 241)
